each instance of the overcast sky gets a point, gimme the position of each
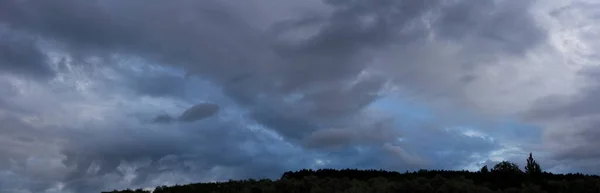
(110, 94)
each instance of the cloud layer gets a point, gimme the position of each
(98, 95)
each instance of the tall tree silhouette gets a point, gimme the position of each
(507, 167)
(484, 169)
(532, 166)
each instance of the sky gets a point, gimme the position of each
(111, 94)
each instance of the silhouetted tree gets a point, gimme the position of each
(484, 169)
(532, 167)
(507, 167)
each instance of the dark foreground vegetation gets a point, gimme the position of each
(503, 177)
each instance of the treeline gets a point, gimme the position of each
(504, 177)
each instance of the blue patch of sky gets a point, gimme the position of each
(516, 132)
(456, 144)
(411, 111)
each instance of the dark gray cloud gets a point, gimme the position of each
(491, 26)
(19, 54)
(199, 112)
(572, 121)
(160, 85)
(569, 106)
(291, 124)
(163, 119)
(20, 141)
(215, 43)
(302, 84)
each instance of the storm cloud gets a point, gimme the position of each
(198, 112)
(19, 54)
(112, 94)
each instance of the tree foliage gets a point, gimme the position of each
(484, 169)
(532, 167)
(507, 167)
